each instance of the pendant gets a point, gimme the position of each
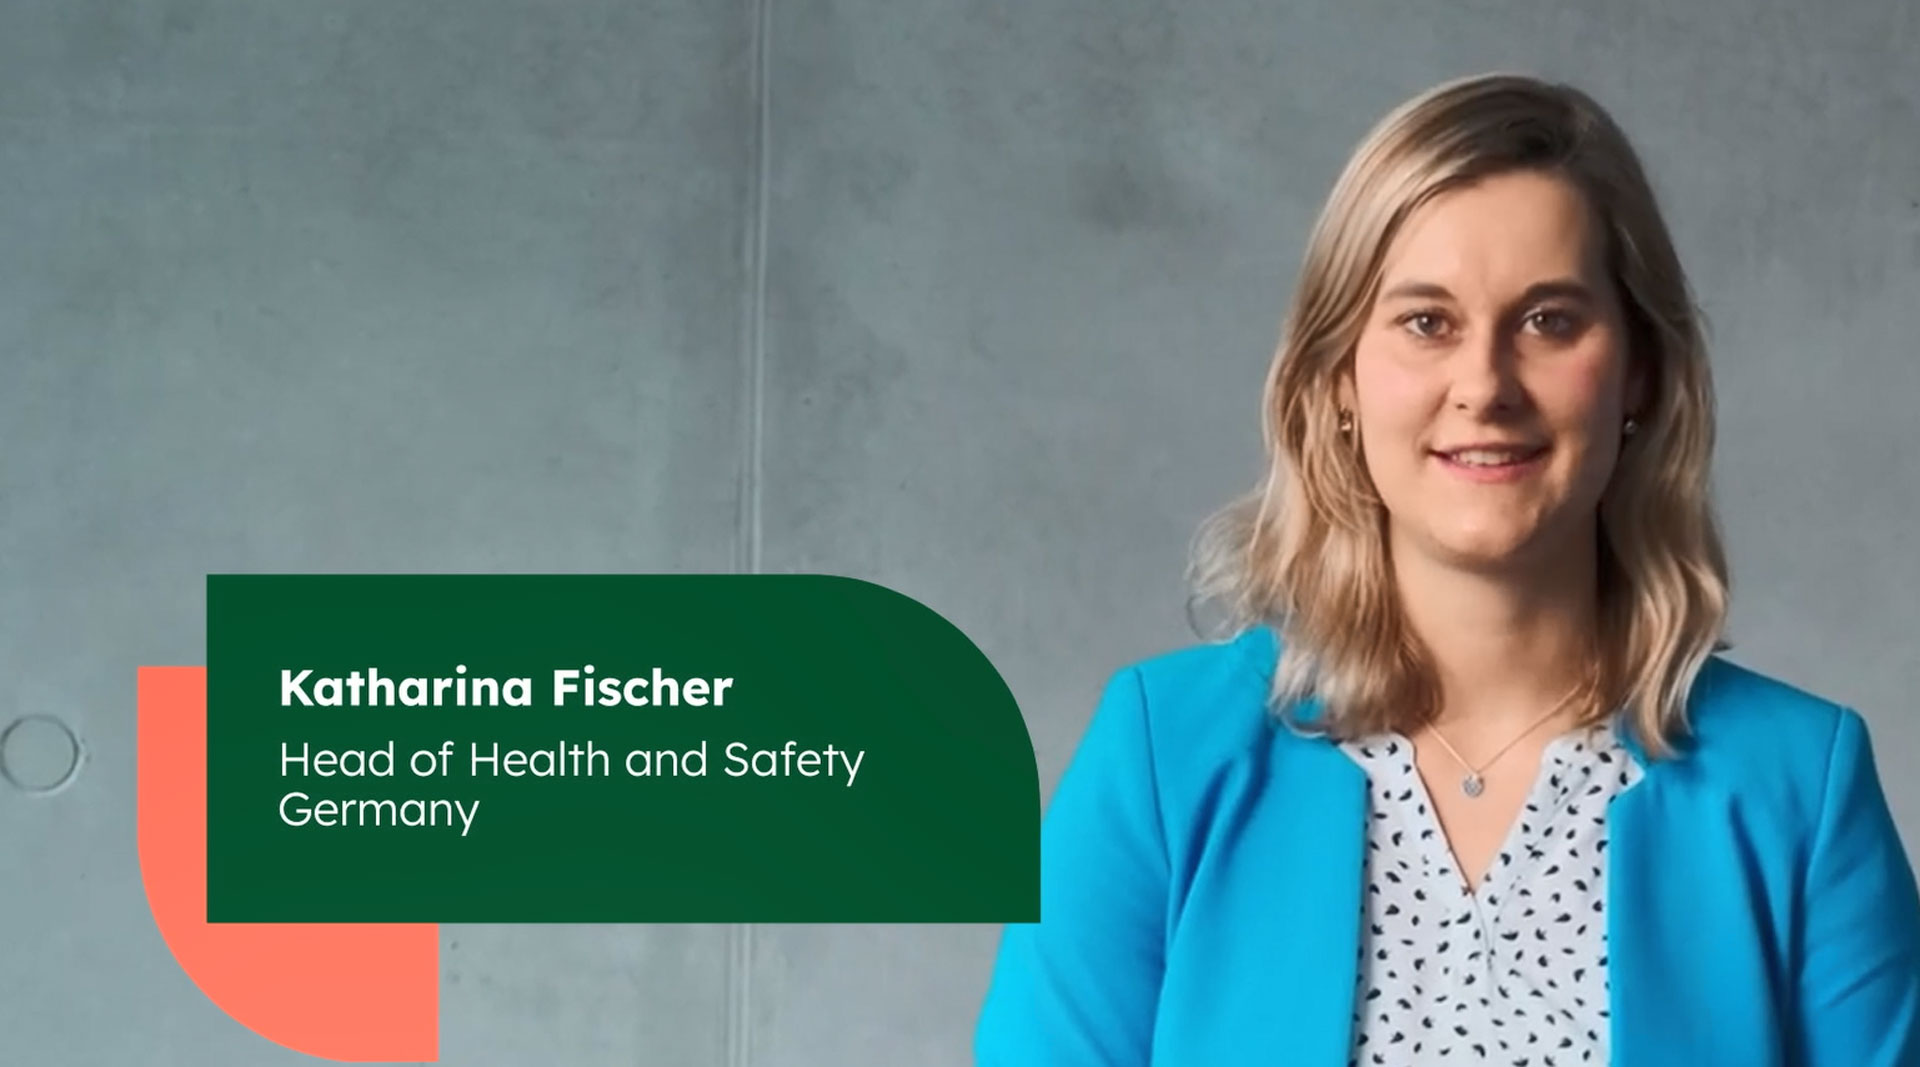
(1472, 786)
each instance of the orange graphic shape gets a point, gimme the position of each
(358, 992)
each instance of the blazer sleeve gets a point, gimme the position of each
(1079, 988)
(1859, 988)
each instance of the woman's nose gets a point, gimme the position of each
(1483, 370)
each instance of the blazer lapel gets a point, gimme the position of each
(1687, 970)
(1636, 994)
(1293, 910)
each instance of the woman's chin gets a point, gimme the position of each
(1489, 541)
(1486, 551)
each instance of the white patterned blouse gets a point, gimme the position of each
(1511, 973)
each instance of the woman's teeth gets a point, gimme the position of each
(1486, 458)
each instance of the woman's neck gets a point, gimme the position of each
(1506, 648)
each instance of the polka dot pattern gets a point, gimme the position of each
(1514, 972)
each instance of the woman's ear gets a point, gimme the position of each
(1634, 400)
(1343, 392)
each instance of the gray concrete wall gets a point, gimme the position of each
(971, 299)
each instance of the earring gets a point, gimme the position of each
(1346, 421)
(1630, 426)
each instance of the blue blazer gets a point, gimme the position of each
(1202, 865)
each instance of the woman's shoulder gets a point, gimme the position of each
(1204, 671)
(1753, 729)
(1747, 731)
(1742, 723)
(1741, 704)
(1205, 702)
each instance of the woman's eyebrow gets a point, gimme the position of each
(1569, 288)
(1417, 290)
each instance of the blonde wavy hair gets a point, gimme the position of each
(1306, 552)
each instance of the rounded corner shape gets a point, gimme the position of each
(1033, 757)
(357, 993)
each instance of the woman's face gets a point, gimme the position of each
(1495, 326)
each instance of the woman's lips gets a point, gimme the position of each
(1512, 469)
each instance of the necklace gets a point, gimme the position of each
(1473, 784)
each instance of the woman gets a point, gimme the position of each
(1471, 784)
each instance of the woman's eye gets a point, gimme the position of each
(1423, 323)
(1553, 323)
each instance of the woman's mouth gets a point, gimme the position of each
(1492, 464)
